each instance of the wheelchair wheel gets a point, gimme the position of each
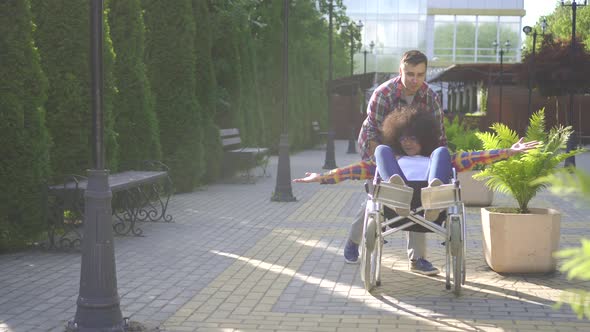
(369, 253)
(457, 251)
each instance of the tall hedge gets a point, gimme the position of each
(228, 71)
(206, 89)
(24, 141)
(170, 59)
(63, 37)
(251, 112)
(268, 35)
(135, 118)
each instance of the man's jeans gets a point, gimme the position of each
(416, 246)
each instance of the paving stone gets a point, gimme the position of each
(233, 259)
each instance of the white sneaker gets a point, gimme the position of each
(432, 214)
(396, 179)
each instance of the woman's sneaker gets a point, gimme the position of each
(396, 179)
(432, 214)
(351, 252)
(424, 267)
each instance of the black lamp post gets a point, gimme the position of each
(283, 191)
(571, 161)
(527, 30)
(330, 160)
(501, 52)
(98, 301)
(350, 27)
(371, 45)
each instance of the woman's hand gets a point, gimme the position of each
(309, 177)
(521, 146)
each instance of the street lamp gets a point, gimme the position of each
(371, 45)
(501, 52)
(330, 160)
(571, 161)
(350, 27)
(527, 30)
(98, 302)
(283, 191)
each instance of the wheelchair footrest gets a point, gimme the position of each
(439, 197)
(393, 195)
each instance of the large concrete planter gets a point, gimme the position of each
(521, 243)
(473, 192)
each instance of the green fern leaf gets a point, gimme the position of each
(536, 129)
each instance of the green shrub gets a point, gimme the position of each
(170, 59)
(206, 89)
(135, 118)
(576, 183)
(62, 36)
(24, 140)
(460, 137)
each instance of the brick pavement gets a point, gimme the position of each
(234, 261)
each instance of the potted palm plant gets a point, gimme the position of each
(522, 239)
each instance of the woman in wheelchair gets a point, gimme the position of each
(410, 153)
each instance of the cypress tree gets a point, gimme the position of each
(63, 38)
(170, 59)
(135, 118)
(228, 71)
(24, 141)
(251, 113)
(207, 89)
(269, 45)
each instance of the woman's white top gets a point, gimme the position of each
(415, 168)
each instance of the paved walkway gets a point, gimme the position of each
(234, 261)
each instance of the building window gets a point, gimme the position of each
(470, 38)
(444, 30)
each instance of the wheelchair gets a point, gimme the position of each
(381, 220)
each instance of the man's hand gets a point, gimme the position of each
(309, 177)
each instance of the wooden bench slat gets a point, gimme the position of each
(251, 150)
(118, 181)
(231, 141)
(229, 132)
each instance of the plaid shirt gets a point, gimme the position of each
(462, 161)
(387, 98)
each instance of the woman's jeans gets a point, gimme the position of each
(439, 166)
(387, 165)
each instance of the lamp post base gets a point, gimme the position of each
(351, 142)
(128, 326)
(570, 146)
(330, 161)
(283, 191)
(98, 301)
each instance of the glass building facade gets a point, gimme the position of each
(447, 31)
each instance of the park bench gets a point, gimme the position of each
(239, 158)
(137, 196)
(319, 135)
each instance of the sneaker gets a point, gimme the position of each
(432, 214)
(424, 267)
(397, 180)
(351, 252)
